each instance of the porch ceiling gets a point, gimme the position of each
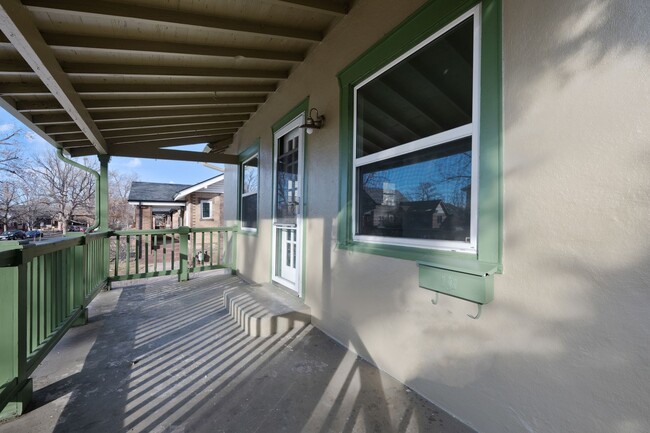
(131, 77)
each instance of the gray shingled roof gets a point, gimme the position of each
(151, 191)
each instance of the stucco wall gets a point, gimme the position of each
(564, 346)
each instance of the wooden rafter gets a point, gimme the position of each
(175, 17)
(321, 6)
(17, 24)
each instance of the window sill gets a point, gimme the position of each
(442, 259)
(247, 232)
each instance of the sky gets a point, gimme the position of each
(148, 170)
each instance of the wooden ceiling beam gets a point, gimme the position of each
(100, 117)
(175, 17)
(163, 47)
(156, 144)
(177, 135)
(320, 6)
(157, 123)
(17, 25)
(162, 130)
(93, 88)
(165, 71)
(177, 155)
(139, 103)
(9, 106)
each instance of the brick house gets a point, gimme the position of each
(164, 205)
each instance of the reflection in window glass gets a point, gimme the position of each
(287, 197)
(427, 93)
(250, 180)
(422, 195)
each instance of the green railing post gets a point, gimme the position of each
(233, 259)
(16, 391)
(183, 233)
(80, 269)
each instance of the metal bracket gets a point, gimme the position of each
(478, 314)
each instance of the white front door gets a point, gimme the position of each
(287, 204)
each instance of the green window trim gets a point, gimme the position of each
(245, 155)
(427, 20)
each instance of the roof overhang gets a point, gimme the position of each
(140, 78)
(158, 203)
(199, 186)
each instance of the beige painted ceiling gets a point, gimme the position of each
(133, 78)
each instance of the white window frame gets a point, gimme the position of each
(468, 130)
(244, 195)
(201, 209)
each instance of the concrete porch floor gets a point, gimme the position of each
(162, 356)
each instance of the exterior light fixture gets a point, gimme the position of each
(311, 124)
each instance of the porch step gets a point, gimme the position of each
(264, 310)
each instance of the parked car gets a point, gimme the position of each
(34, 234)
(77, 229)
(11, 235)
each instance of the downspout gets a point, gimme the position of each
(59, 154)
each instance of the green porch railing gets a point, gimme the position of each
(152, 253)
(45, 287)
(44, 290)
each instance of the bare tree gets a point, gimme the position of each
(120, 213)
(67, 191)
(9, 199)
(9, 154)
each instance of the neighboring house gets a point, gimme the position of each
(164, 205)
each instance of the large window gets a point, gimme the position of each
(249, 187)
(415, 143)
(421, 136)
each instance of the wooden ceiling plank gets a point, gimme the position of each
(121, 44)
(18, 89)
(194, 128)
(113, 88)
(164, 71)
(177, 112)
(175, 17)
(101, 104)
(16, 23)
(177, 135)
(35, 106)
(156, 123)
(320, 6)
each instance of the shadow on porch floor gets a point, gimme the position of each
(162, 356)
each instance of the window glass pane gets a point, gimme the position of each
(249, 211)
(425, 94)
(422, 195)
(205, 207)
(287, 188)
(250, 176)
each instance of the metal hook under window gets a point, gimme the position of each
(434, 301)
(478, 314)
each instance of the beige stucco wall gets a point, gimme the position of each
(564, 347)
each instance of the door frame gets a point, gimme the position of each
(289, 126)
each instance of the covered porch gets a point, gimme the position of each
(161, 355)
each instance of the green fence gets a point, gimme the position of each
(45, 287)
(152, 253)
(44, 290)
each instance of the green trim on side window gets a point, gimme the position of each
(427, 20)
(251, 150)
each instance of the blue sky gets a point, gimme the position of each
(148, 170)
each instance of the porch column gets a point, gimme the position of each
(102, 190)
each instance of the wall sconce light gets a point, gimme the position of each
(311, 124)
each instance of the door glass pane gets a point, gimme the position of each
(422, 195)
(287, 188)
(425, 94)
